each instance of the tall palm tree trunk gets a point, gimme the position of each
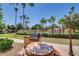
(15, 22)
(20, 21)
(70, 46)
(23, 21)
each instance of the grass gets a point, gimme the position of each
(61, 41)
(11, 35)
(51, 40)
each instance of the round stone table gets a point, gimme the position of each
(39, 49)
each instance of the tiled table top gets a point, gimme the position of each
(39, 48)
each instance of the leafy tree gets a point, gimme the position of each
(36, 26)
(19, 26)
(1, 15)
(10, 28)
(2, 25)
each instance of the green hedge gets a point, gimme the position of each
(74, 36)
(5, 43)
(22, 33)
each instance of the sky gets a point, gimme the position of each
(39, 11)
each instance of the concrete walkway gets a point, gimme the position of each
(66, 48)
(61, 46)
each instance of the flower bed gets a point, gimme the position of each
(5, 43)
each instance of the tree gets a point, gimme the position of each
(23, 6)
(2, 25)
(11, 28)
(36, 27)
(15, 6)
(1, 15)
(26, 21)
(19, 26)
(62, 21)
(70, 50)
(71, 19)
(42, 21)
(46, 24)
(51, 20)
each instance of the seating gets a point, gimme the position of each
(33, 37)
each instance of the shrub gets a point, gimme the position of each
(45, 35)
(23, 33)
(5, 43)
(74, 36)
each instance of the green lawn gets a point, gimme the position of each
(61, 41)
(51, 40)
(11, 35)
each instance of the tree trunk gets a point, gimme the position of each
(23, 21)
(63, 29)
(20, 20)
(70, 46)
(52, 28)
(15, 22)
(74, 30)
(42, 29)
(46, 26)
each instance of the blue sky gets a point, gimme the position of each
(39, 11)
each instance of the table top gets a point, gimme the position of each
(39, 48)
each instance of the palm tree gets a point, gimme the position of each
(26, 20)
(15, 5)
(62, 21)
(51, 20)
(72, 9)
(42, 21)
(69, 19)
(46, 24)
(71, 50)
(23, 6)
